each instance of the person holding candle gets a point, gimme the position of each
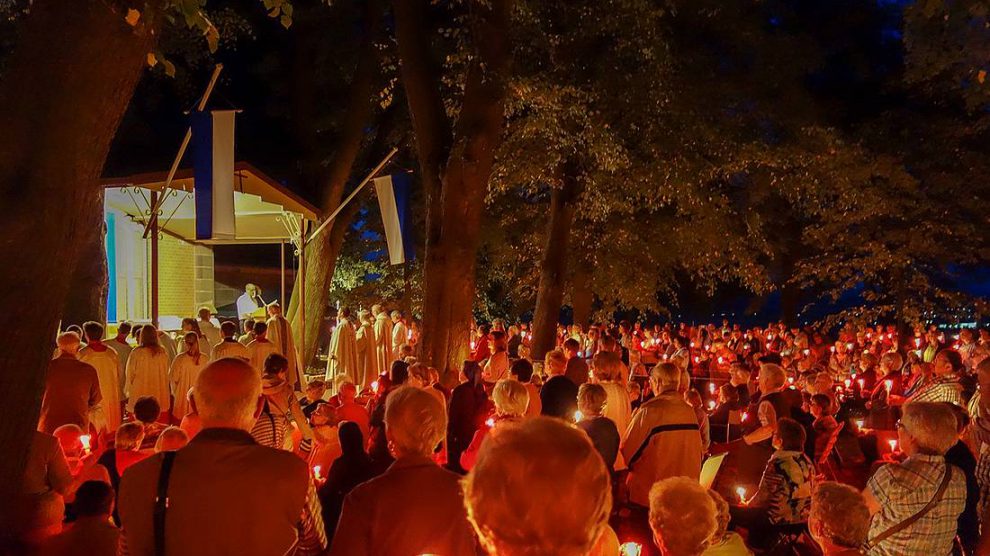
(609, 373)
(922, 483)
(352, 468)
(497, 366)
(888, 394)
(540, 488)
(592, 401)
(223, 481)
(511, 399)
(825, 423)
(415, 507)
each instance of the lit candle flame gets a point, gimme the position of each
(86, 441)
(860, 423)
(711, 404)
(711, 387)
(741, 492)
(888, 384)
(630, 549)
(893, 445)
(578, 416)
(316, 472)
(490, 422)
(745, 415)
(374, 386)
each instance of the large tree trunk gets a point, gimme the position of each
(321, 255)
(61, 101)
(87, 299)
(455, 164)
(553, 263)
(582, 296)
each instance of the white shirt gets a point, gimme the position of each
(245, 305)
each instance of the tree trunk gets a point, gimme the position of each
(553, 264)
(455, 190)
(88, 287)
(321, 255)
(61, 101)
(582, 297)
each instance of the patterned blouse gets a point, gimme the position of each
(785, 489)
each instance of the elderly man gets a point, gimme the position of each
(415, 507)
(224, 494)
(924, 483)
(72, 388)
(400, 333)
(683, 517)
(249, 302)
(839, 520)
(567, 491)
(945, 386)
(663, 439)
(383, 337)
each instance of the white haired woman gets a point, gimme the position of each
(683, 517)
(539, 487)
(415, 507)
(511, 400)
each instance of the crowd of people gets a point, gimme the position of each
(622, 439)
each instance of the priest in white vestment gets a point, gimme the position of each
(147, 370)
(123, 349)
(260, 347)
(400, 334)
(183, 374)
(383, 337)
(367, 350)
(342, 358)
(104, 359)
(280, 334)
(249, 302)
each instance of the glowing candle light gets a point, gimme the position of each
(697, 359)
(790, 380)
(490, 422)
(630, 549)
(769, 337)
(374, 386)
(720, 360)
(409, 335)
(861, 382)
(472, 345)
(849, 383)
(692, 344)
(86, 441)
(831, 348)
(741, 492)
(578, 416)
(316, 472)
(711, 387)
(745, 415)
(807, 352)
(917, 342)
(849, 346)
(711, 404)
(860, 423)
(888, 384)
(893, 444)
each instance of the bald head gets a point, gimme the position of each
(228, 394)
(68, 342)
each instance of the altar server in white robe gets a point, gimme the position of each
(123, 349)
(280, 334)
(184, 372)
(400, 334)
(343, 359)
(367, 350)
(383, 337)
(104, 359)
(208, 326)
(260, 347)
(229, 346)
(147, 371)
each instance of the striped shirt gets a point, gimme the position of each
(903, 489)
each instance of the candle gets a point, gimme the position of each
(711, 387)
(692, 344)
(697, 359)
(374, 386)
(849, 383)
(409, 335)
(578, 416)
(720, 360)
(711, 404)
(316, 472)
(849, 346)
(860, 423)
(741, 492)
(831, 348)
(893, 445)
(472, 345)
(769, 337)
(917, 342)
(630, 549)
(861, 382)
(86, 441)
(745, 415)
(790, 380)
(807, 352)
(888, 384)
(490, 422)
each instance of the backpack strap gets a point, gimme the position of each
(161, 502)
(939, 494)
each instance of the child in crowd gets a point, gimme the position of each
(825, 423)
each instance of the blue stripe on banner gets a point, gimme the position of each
(111, 247)
(202, 139)
(401, 191)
